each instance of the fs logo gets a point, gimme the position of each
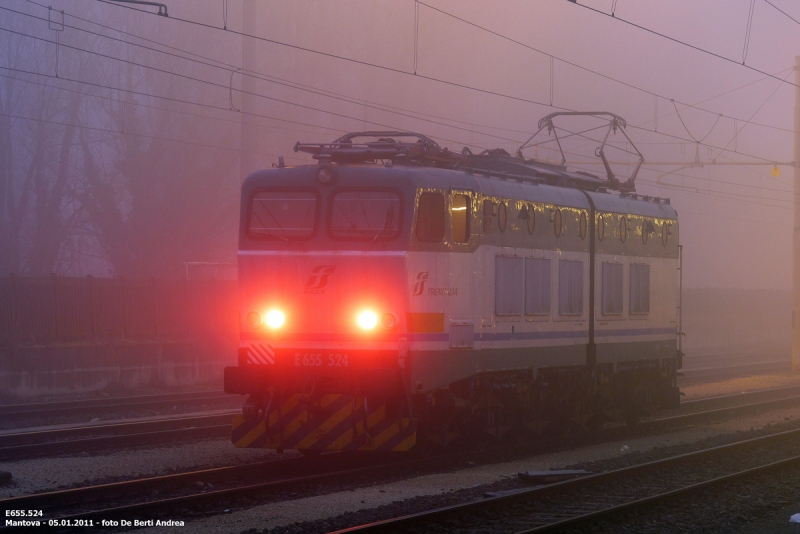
(419, 286)
(319, 279)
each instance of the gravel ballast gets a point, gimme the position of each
(364, 504)
(419, 492)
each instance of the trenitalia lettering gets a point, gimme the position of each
(419, 288)
(442, 291)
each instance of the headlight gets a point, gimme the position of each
(275, 319)
(367, 320)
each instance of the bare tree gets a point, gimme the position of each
(37, 131)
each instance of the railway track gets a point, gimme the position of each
(707, 374)
(574, 503)
(84, 406)
(94, 437)
(239, 485)
(26, 444)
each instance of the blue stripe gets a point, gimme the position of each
(636, 332)
(478, 336)
(508, 336)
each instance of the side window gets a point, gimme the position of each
(640, 288)
(459, 217)
(611, 291)
(508, 294)
(570, 287)
(537, 286)
(430, 217)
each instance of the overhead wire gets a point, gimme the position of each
(738, 88)
(383, 67)
(783, 12)
(683, 43)
(715, 193)
(271, 79)
(364, 63)
(418, 75)
(587, 69)
(747, 31)
(389, 68)
(647, 167)
(215, 84)
(160, 97)
(302, 87)
(163, 109)
(737, 132)
(699, 141)
(644, 129)
(132, 134)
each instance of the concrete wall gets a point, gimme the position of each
(28, 370)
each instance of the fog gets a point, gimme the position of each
(124, 136)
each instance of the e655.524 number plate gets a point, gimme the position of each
(321, 359)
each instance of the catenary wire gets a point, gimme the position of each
(707, 192)
(390, 109)
(215, 84)
(120, 132)
(167, 110)
(389, 68)
(271, 79)
(167, 98)
(783, 12)
(226, 87)
(397, 70)
(477, 132)
(678, 41)
(592, 71)
(296, 85)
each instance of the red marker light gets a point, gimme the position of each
(367, 320)
(275, 319)
(388, 321)
(253, 319)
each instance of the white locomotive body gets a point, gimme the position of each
(386, 304)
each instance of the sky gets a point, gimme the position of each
(481, 74)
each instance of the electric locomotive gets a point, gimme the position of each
(397, 293)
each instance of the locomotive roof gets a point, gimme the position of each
(490, 184)
(495, 171)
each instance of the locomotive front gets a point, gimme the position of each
(323, 294)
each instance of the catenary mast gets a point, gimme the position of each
(796, 233)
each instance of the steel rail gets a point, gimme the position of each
(749, 369)
(597, 480)
(40, 443)
(743, 394)
(64, 441)
(662, 497)
(331, 464)
(87, 405)
(53, 500)
(33, 444)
